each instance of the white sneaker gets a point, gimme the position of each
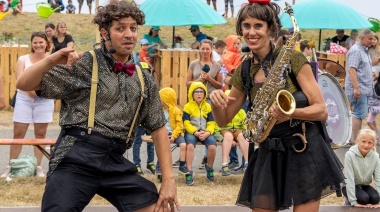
(7, 170)
(39, 172)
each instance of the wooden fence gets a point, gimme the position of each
(8, 60)
(173, 65)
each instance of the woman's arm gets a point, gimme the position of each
(316, 111)
(70, 44)
(162, 44)
(217, 82)
(30, 79)
(189, 78)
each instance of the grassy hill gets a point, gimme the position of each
(83, 31)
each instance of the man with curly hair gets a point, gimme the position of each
(89, 160)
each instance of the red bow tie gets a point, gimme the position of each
(120, 67)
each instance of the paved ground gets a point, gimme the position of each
(6, 131)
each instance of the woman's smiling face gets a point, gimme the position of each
(255, 33)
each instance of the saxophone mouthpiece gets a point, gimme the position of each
(289, 9)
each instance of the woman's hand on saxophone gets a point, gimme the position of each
(276, 113)
(219, 99)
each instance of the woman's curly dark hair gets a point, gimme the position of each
(268, 13)
(116, 11)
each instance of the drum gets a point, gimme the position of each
(339, 122)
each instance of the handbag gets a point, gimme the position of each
(12, 102)
(374, 110)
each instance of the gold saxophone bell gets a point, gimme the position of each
(287, 104)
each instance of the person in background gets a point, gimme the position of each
(154, 40)
(352, 39)
(16, 6)
(62, 39)
(217, 54)
(232, 59)
(210, 77)
(306, 50)
(70, 8)
(174, 125)
(2, 3)
(49, 30)
(89, 4)
(2, 101)
(144, 55)
(374, 106)
(87, 161)
(29, 107)
(199, 36)
(205, 70)
(359, 82)
(199, 126)
(140, 131)
(281, 37)
(232, 56)
(57, 3)
(226, 8)
(361, 168)
(374, 53)
(213, 4)
(275, 177)
(233, 133)
(340, 38)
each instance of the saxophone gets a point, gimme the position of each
(259, 122)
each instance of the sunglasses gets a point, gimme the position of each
(193, 30)
(199, 92)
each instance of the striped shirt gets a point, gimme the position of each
(358, 58)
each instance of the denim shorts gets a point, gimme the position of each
(192, 139)
(179, 140)
(359, 107)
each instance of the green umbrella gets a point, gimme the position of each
(179, 13)
(325, 14)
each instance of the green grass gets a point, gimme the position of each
(83, 31)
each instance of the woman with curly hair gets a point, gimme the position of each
(88, 159)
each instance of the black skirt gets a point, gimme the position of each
(277, 177)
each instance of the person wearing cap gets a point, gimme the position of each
(199, 36)
(144, 55)
(154, 40)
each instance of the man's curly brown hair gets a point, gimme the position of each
(116, 11)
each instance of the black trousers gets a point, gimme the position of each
(365, 194)
(83, 165)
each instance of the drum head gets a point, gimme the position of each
(339, 122)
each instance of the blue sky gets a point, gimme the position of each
(368, 8)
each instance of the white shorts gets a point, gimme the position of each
(32, 110)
